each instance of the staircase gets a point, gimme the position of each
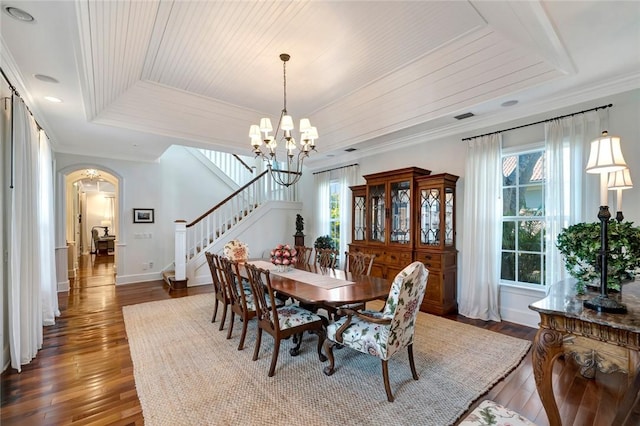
(214, 228)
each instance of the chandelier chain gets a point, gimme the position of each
(284, 78)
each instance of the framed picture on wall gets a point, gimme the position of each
(142, 215)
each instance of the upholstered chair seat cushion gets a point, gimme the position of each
(490, 413)
(293, 316)
(362, 336)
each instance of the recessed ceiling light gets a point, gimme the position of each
(53, 99)
(46, 78)
(509, 103)
(18, 14)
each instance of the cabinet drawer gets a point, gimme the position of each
(431, 261)
(397, 258)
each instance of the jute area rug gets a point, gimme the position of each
(187, 373)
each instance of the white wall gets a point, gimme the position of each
(176, 187)
(449, 155)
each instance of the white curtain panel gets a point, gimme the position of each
(322, 208)
(47, 233)
(571, 194)
(482, 230)
(25, 304)
(348, 176)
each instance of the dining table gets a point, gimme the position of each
(314, 285)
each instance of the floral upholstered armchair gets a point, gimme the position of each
(384, 333)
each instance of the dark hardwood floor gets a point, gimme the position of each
(84, 374)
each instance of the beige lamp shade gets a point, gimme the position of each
(606, 155)
(286, 123)
(105, 223)
(265, 125)
(620, 180)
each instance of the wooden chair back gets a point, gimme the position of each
(259, 280)
(326, 258)
(358, 263)
(241, 303)
(304, 255)
(296, 321)
(218, 288)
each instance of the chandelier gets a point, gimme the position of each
(288, 171)
(92, 173)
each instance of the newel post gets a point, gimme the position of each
(181, 250)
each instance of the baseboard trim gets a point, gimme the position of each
(138, 278)
(64, 286)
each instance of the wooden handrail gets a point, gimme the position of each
(248, 167)
(212, 209)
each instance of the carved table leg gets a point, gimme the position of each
(547, 346)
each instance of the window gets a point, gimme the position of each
(334, 215)
(523, 218)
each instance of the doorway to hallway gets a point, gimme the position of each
(94, 271)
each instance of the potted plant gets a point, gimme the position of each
(580, 247)
(324, 242)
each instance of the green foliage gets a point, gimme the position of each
(580, 246)
(324, 242)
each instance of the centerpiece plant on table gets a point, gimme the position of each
(284, 257)
(580, 246)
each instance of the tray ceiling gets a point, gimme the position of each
(137, 76)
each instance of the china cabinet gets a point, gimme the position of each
(405, 215)
(435, 240)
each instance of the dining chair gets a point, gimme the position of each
(358, 263)
(240, 297)
(326, 258)
(221, 296)
(280, 322)
(394, 325)
(304, 255)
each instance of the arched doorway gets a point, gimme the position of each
(91, 217)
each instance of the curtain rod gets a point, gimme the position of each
(541, 121)
(15, 92)
(335, 168)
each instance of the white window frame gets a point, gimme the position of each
(506, 152)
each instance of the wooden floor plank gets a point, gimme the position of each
(84, 374)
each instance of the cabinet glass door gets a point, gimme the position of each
(377, 206)
(430, 217)
(400, 212)
(359, 210)
(448, 217)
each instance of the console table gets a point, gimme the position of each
(597, 341)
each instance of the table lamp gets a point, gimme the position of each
(617, 182)
(106, 224)
(605, 157)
